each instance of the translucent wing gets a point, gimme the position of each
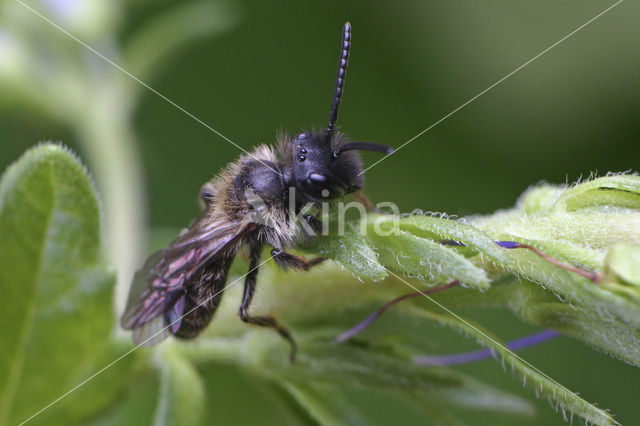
(156, 299)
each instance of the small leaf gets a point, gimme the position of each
(352, 250)
(538, 199)
(445, 229)
(621, 191)
(426, 259)
(622, 264)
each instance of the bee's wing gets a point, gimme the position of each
(156, 298)
(143, 296)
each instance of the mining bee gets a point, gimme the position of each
(179, 288)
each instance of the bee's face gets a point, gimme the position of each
(318, 173)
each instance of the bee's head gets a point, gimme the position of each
(320, 170)
(324, 166)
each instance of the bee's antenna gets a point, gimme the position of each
(365, 146)
(342, 71)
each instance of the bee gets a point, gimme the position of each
(178, 289)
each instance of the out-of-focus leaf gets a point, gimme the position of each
(181, 400)
(326, 404)
(321, 367)
(480, 396)
(148, 49)
(136, 406)
(56, 306)
(234, 396)
(330, 406)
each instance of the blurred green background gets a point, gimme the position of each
(250, 69)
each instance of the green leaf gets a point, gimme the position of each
(136, 406)
(621, 265)
(326, 404)
(350, 249)
(182, 397)
(330, 405)
(542, 384)
(538, 199)
(445, 229)
(622, 191)
(426, 259)
(322, 368)
(56, 308)
(572, 287)
(539, 307)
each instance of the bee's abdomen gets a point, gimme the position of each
(203, 297)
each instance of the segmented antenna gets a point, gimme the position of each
(342, 71)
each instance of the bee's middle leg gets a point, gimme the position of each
(263, 321)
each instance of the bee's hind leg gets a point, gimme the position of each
(263, 321)
(287, 260)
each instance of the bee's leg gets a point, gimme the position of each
(263, 321)
(313, 222)
(287, 260)
(364, 200)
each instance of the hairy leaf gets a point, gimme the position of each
(56, 307)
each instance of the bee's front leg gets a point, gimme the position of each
(287, 260)
(313, 222)
(364, 200)
(263, 321)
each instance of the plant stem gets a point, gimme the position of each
(108, 138)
